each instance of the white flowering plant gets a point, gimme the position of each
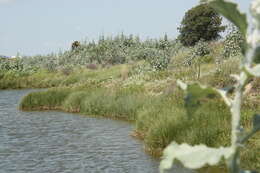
(106, 51)
(195, 157)
(158, 60)
(233, 44)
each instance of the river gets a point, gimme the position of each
(56, 142)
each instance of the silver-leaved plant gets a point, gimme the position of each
(204, 155)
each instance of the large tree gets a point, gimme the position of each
(200, 23)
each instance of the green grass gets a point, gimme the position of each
(19, 80)
(45, 79)
(45, 100)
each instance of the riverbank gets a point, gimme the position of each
(154, 103)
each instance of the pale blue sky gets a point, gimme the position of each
(44, 26)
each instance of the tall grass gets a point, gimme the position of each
(45, 100)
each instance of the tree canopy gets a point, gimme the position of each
(200, 23)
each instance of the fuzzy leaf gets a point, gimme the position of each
(195, 92)
(223, 92)
(248, 171)
(182, 85)
(193, 157)
(254, 71)
(230, 11)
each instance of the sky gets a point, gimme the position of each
(33, 27)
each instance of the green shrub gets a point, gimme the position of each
(198, 53)
(158, 60)
(201, 49)
(233, 43)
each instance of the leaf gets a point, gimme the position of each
(223, 92)
(248, 171)
(254, 71)
(230, 11)
(193, 157)
(182, 85)
(195, 92)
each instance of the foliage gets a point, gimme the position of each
(200, 22)
(158, 60)
(201, 49)
(233, 43)
(232, 96)
(198, 53)
(106, 51)
(11, 64)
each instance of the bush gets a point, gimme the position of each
(201, 49)
(158, 60)
(200, 22)
(198, 53)
(15, 64)
(233, 43)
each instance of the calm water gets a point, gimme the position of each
(54, 142)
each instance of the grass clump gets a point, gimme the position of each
(73, 103)
(122, 104)
(165, 119)
(44, 100)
